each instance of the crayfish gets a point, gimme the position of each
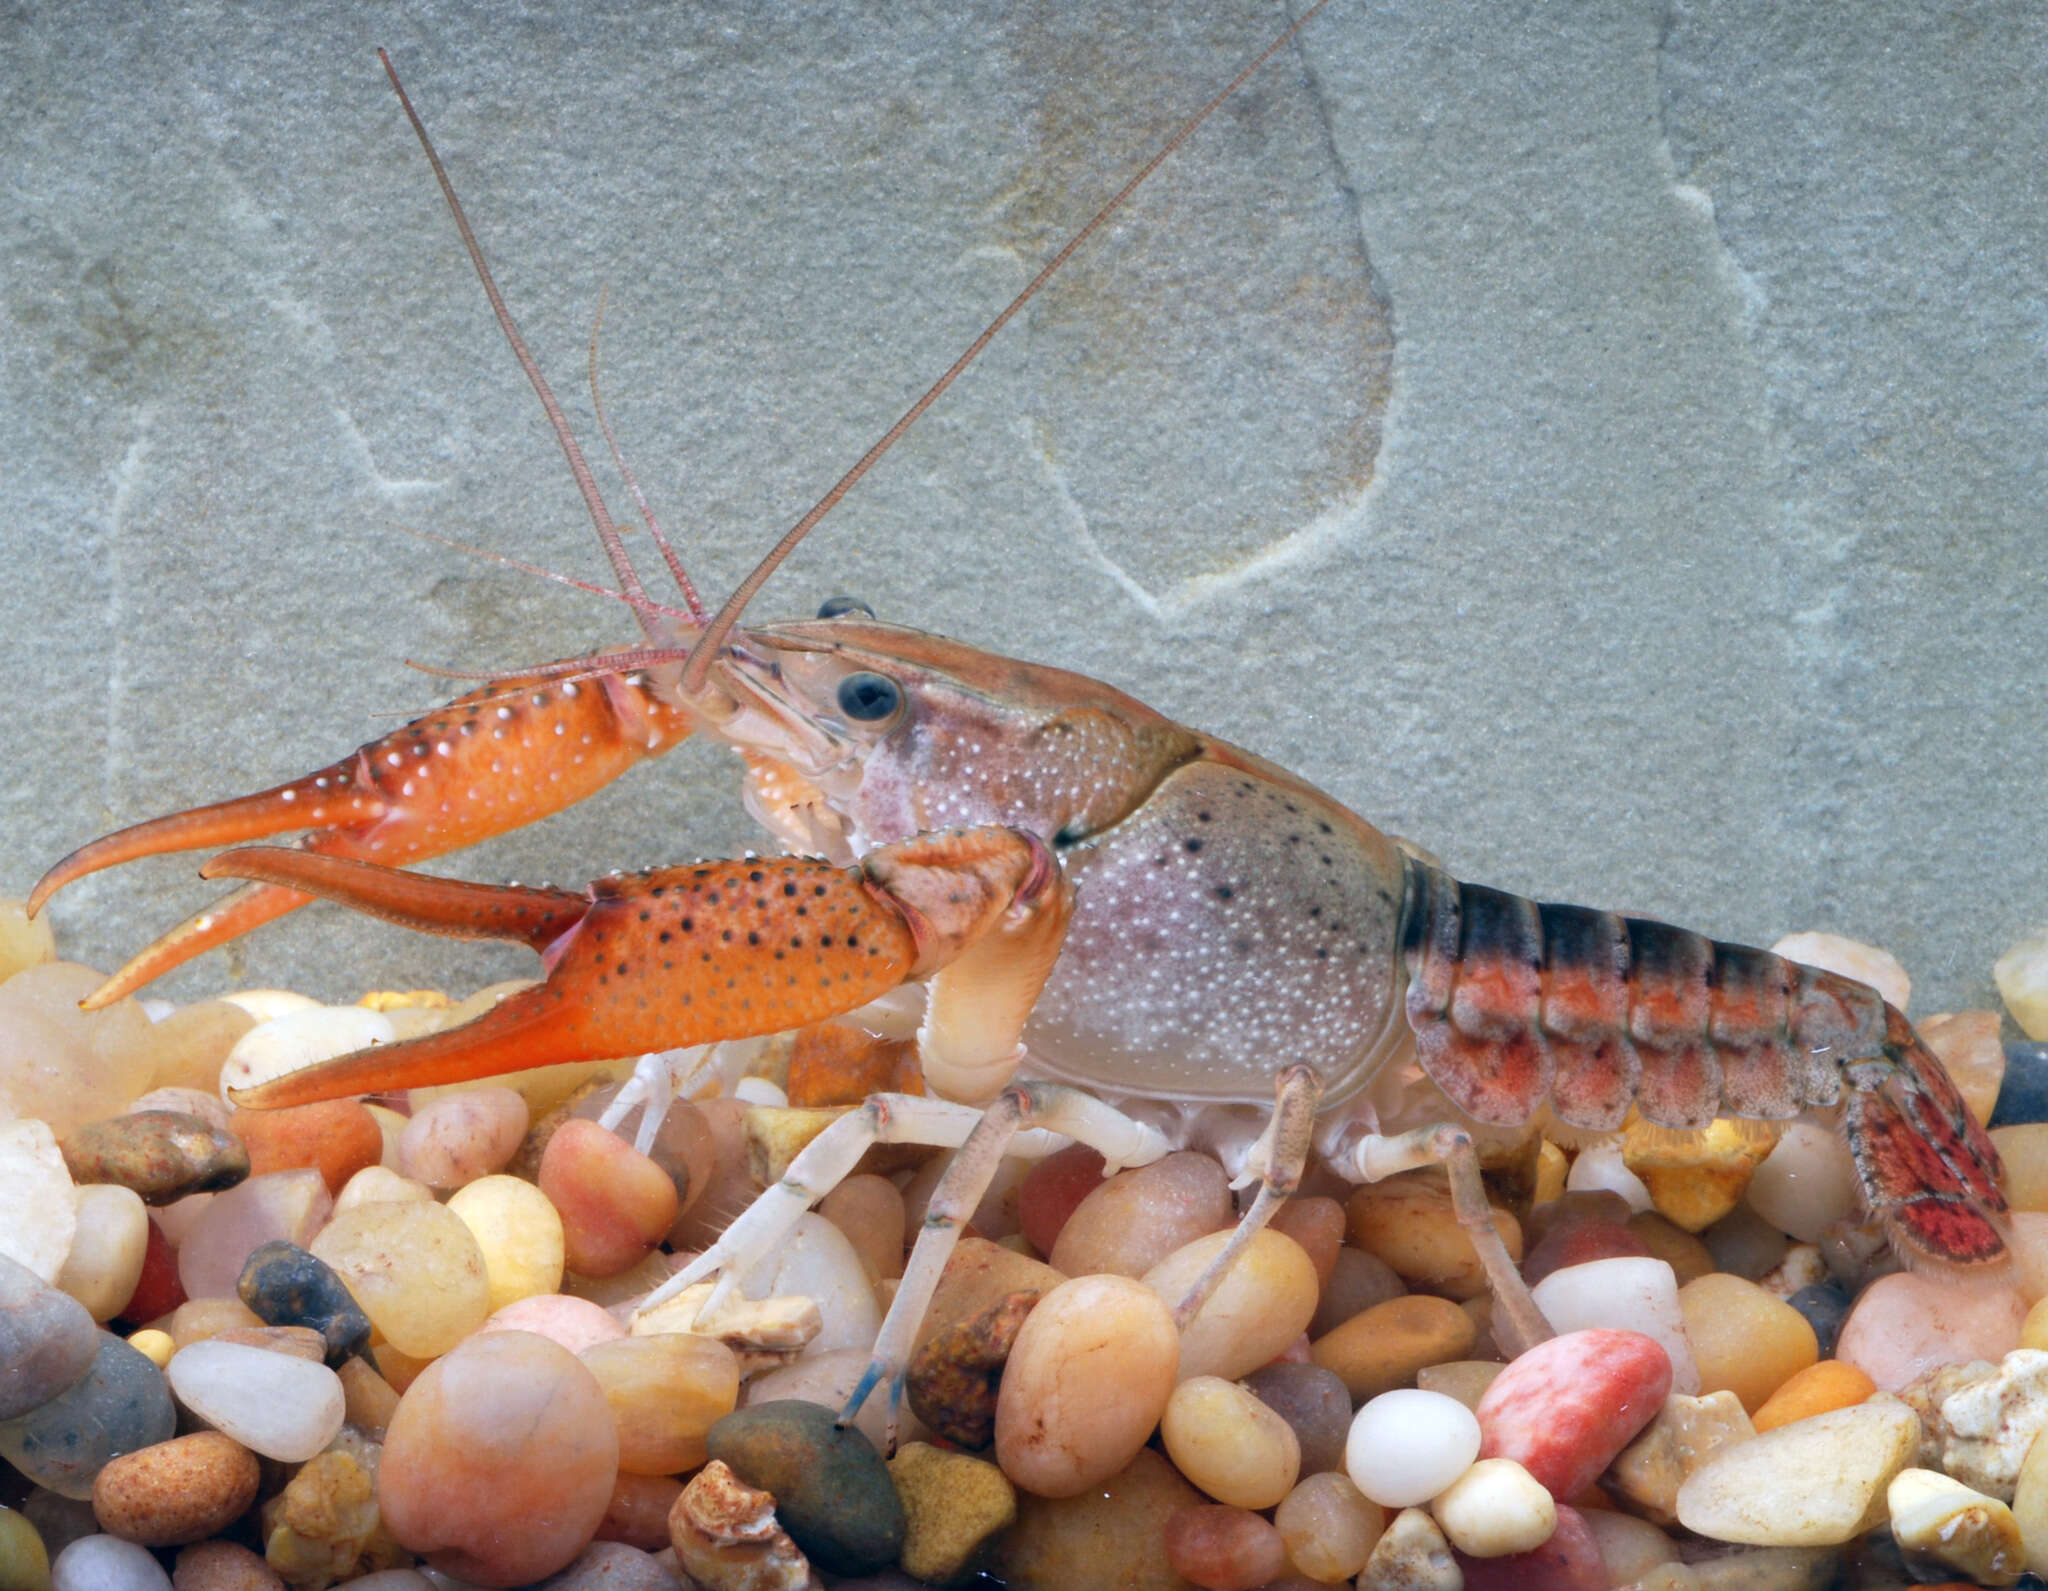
(1105, 908)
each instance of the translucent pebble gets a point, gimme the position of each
(1224, 1549)
(107, 1563)
(1406, 1446)
(816, 1262)
(298, 1039)
(1315, 1404)
(1817, 1482)
(25, 941)
(287, 1206)
(1329, 1526)
(1630, 1547)
(1850, 958)
(381, 1185)
(459, 1137)
(1600, 1168)
(198, 1319)
(337, 1137)
(189, 1046)
(574, 1323)
(392, 1125)
(107, 1250)
(518, 1232)
(204, 1103)
(1408, 1221)
(665, 1392)
(60, 1520)
(1495, 1508)
(1904, 1325)
(120, 1404)
(615, 1203)
(1052, 1190)
(1229, 1443)
(1744, 1340)
(65, 1066)
(155, 1346)
(1638, 1295)
(265, 1005)
(1357, 1281)
(1388, 1345)
(24, 1560)
(273, 1404)
(1086, 1382)
(2022, 977)
(869, 1211)
(1807, 1183)
(1744, 1244)
(639, 1509)
(1130, 1223)
(1263, 1304)
(500, 1461)
(38, 1205)
(414, 1268)
(1317, 1224)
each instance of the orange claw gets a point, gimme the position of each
(496, 758)
(669, 957)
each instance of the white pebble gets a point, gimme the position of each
(1627, 1295)
(817, 1262)
(2022, 976)
(267, 1004)
(299, 1039)
(1407, 1446)
(1599, 1169)
(758, 1091)
(38, 1205)
(275, 1404)
(107, 1563)
(1496, 1507)
(1942, 1526)
(1807, 1183)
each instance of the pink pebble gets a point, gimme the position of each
(1567, 1406)
(1569, 1561)
(459, 1137)
(575, 1323)
(1905, 1325)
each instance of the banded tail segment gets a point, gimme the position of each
(1516, 1003)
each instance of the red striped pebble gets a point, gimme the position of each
(1567, 1406)
(1569, 1561)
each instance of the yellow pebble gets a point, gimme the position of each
(1551, 1170)
(520, 1235)
(2034, 1329)
(2024, 1149)
(1744, 1340)
(1696, 1178)
(1830, 1384)
(155, 1346)
(406, 1000)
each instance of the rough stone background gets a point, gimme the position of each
(1600, 439)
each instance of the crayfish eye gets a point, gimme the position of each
(833, 607)
(869, 698)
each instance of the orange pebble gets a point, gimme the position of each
(832, 1063)
(337, 1137)
(1830, 1384)
(615, 1203)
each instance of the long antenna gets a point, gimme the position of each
(713, 637)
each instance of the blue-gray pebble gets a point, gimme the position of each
(1825, 1306)
(47, 1340)
(120, 1404)
(2023, 1096)
(286, 1286)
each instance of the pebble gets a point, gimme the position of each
(47, 1340)
(2022, 978)
(665, 1392)
(414, 1269)
(1687, 1256)
(1568, 1561)
(1815, 1483)
(1406, 1446)
(24, 1561)
(38, 1204)
(1357, 1282)
(197, 1319)
(953, 1377)
(186, 1489)
(518, 1232)
(1685, 1434)
(1825, 1307)
(978, 1274)
(1053, 1189)
(1567, 1406)
(1316, 1405)
(65, 1066)
(1411, 1555)
(1631, 1548)
(1743, 1339)
(611, 1566)
(1408, 1222)
(1129, 1224)
(1087, 1380)
(952, 1505)
(1633, 1295)
(161, 1155)
(727, 1538)
(868, 1210)
(828, 1380)
(1387, 1345)
(1943, 1527)
(1463, 1379)
(1317, 1224)
(1109, 1537)
(1905, 1324)
(1807, 1184)
(326, 1524)
(639, 1509)
(1224, 1549)
(2024, 1149)
(615, 1203)
(453, 1140)
(1967, 1043)
(1230, 1444)
(368, 1400)
(106, 1563)
(500, 1460)
(381, 1185)
(1579, 1241)
(1830, 1384)
(120, 1404)
(1328, 1526)
(157, 1289)
(336, 1137)
(832, 1492)
(25, 942)
(286, 1285)
(1495, 1508)
(287, 1038)
(2023, 1094)
(1743, 1243)
(2030, 1506)
(1987, 1427)
(274, 1404)
(1260, 1307)
(189, 1047)
(815, 1261)
(1694, 1179)
(59, 1520)
(1602, 1168)
(287, 1206)
(107, 1250)
(575, 1323)
(223, 1566)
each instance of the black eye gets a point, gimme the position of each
(869, 697)
(833, 607)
